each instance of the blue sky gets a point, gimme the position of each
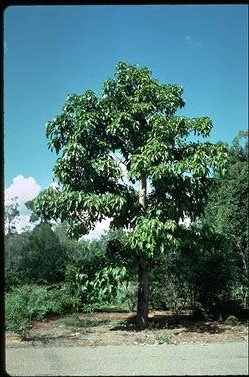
(51, 51)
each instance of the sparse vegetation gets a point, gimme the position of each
(162, 339)
(232, 320)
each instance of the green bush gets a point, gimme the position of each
(162, 339)
(93, 287)
(126, 297)
(170, 287)
(34, 257)
(13, 276)
(200, 313)
(24, 305)
(33, 303)
(232, 321)
(59, 300)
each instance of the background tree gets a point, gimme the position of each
(15, 247)
(36, 257)
(227, 208)
(11, 213)
(130, 127)
(199, 273)
(44, 261)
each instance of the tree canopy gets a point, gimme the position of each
(131, 127)
(227, 207)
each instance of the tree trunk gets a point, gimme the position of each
(143, 273)
(143, 293)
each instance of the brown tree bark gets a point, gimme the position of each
(143, 273)
(143, 294)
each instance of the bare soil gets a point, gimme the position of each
(100, 329)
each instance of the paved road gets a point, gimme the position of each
(189, 359)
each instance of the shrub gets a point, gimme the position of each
(170, 287)
(162, 339)
(127, 295)
(59, 300)
(94, 288)
(225, 308)
(33, 303)
(200, 313)
(13, 276)
(232, 320)
(24, 305)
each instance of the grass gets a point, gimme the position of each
(162, 339)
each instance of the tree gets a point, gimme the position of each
(15, 247)
(227, 208)
(34, 217)
(44, 259)
(130, 128)
(11, 213)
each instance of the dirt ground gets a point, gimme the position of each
(100, 329)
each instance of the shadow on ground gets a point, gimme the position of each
(186, 321)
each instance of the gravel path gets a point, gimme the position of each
(183, 359)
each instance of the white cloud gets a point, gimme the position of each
(101, 226)
(23, 223)
(24, 189)
(118, 158)
(54, 185)
(186, 221)
(191, 42)
(188, 39)
(125, 178)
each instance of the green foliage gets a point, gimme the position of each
(24, 305)
(117, 249)
(172, 282)
(33, 303)
(127, 295)
(43, 256)
(228, 204)
(34, 217)
(151, 235)
(13, 276)
(89, 292)
(15, 249)
(227, 211)
(96, 271)
(15, 246)
(35, 256)
(200, 269)
(201, 313)
(231, 320)
(59, 299)
(132, 123)
(162, 339)
(133, 127)
(44, 261)
(214, 269)
(106, 282)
